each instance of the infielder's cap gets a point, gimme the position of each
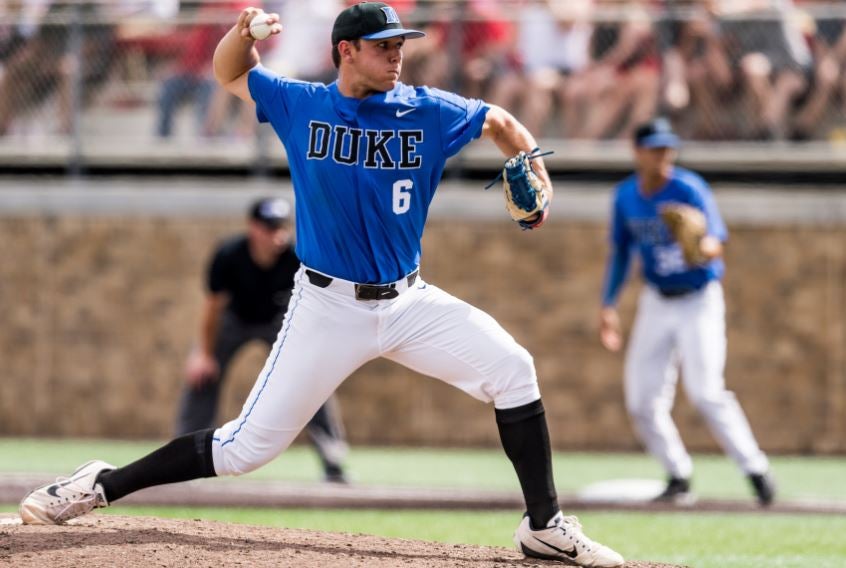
(271, 211)
(657, 133)
(370, 20)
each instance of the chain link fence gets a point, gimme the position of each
(132, 79)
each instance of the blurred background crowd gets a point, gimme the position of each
(722, 70)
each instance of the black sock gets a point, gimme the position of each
(182, 459)
(525, 439)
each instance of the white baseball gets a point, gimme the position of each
(259, 27)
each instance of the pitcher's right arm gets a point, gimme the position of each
(236, 54)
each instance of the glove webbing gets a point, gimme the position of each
(530, 156)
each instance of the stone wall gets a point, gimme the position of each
(99, 313)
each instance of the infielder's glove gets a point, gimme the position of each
(525, 196)
(687, 225)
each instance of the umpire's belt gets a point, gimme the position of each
(362, 291)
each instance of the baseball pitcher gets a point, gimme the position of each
(366, 153)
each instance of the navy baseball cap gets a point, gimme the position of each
(271, 211)
(370, 20)
(657, 133)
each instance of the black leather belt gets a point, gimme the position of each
(677, 292)
(363, 291)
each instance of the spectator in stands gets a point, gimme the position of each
(487, 47)
(827, 40)
(190, 78)
(426, 60)
(772, 60)
(553, 45)
(226, 115)
(831, 35)
(623, 78)
(478, 40)
(48, 63)
(839, 52)
(698, 78)
(300, 51)
(13, 34)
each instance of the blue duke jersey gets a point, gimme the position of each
(636, 224)
(364, 170)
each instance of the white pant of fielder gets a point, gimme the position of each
(687, 332)
(327, 334)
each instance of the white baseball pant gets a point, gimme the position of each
(327, 334)
(688, 331)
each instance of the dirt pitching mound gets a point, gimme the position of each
(106, 540)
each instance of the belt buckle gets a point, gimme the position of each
(375, 292)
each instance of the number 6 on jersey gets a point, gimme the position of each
(402, 195)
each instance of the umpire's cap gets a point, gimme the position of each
(370, 20)
(657, 133)
(271, 211)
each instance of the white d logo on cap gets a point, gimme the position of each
(390, 15)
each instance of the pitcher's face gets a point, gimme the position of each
(377, 64)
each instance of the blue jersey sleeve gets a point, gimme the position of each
(618, 259)
(620, 235)
(716, 226)
(461, 120)
(615, 274)
(275, 96)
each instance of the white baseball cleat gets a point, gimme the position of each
(67, 498)
(563, 540)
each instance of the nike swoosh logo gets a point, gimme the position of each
(571, 553)
(55, 487)
(402, 113)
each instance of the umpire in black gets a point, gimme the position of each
(250, 278)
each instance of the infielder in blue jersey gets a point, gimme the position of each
(366, 154)
(681, 316)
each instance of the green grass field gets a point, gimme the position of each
(716, 477)
(703, 540)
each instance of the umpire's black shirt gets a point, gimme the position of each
(257, 295)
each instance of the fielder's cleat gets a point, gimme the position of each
(764, 487)
(335, 475)
(563, 540)
(677, 492)
(67, 498)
